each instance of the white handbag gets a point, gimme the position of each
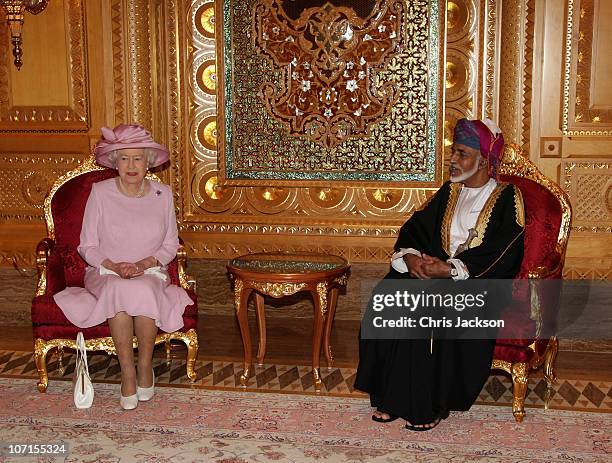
(83, 389)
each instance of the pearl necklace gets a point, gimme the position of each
(140, 193)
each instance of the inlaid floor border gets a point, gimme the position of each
(567, 393)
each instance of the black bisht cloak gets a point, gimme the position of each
(403, 377)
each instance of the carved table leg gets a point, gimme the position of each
(333, 299)
(320, 310)
(241, 298)
(261, 325)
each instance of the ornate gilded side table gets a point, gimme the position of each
(279, 274)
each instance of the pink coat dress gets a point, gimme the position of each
(126, 229)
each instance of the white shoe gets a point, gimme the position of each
(129, 403)
(146, 393)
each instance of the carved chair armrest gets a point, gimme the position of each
(187, 281)
(542, 272)
(43, 249)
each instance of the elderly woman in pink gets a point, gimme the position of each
(128, 237)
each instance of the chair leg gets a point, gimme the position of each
(519, 382)
(191, 340)
(41, 348)
(550, 356)
(168, 349)
(61, 368)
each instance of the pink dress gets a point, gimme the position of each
(125, 229)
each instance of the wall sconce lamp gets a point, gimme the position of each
(14, 18)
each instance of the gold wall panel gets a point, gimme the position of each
(25, 180)
(587, 106)
(589, 185)
(56, 77)
(516, 62)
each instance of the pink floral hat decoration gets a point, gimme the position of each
(124, 137)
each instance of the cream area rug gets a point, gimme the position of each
(184, 424)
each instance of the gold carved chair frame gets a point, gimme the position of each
(516, 163)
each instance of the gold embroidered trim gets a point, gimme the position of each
(519, 206)
(425, 204)
(500, 256)
(455, 189)
(485, 215)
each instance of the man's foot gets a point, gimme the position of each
(381, 417)
(423, 427)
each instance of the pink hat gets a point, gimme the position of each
(127, 136)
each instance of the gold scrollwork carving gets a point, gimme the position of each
(589, 184)
(238, 287)
(118, 61)
(322, 292)
(277, 289)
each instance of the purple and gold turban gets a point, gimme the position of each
(484, 136)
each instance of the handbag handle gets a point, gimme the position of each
(81, 351)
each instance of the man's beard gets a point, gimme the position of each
(464, 175)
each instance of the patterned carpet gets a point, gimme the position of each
(185, 425)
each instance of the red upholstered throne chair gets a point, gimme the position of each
(520, 347)
(60, 265)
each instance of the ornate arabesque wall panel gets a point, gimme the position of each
(311, 94)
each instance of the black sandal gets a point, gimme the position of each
(423, 427)
(428, 426)
(384, 420)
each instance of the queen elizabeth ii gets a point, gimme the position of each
(128, 237)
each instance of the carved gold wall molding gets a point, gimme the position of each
(588, 182)
(516, 63)
(138, 40)
(230, 246)
(580, 116)
(25, 179)
(72, 118)
(118, 52)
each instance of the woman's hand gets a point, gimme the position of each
(144, 264)
(127, 270)
(123, 269)
(415, 266)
